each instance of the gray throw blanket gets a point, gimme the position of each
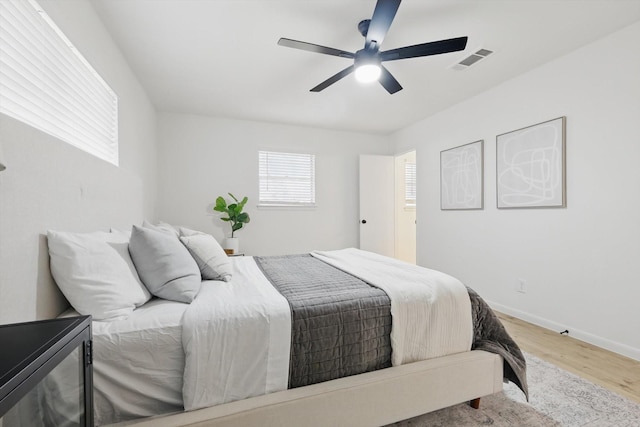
(490, 335)
(341, 324)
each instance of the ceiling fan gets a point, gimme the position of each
(367, 62)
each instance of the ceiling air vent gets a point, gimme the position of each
(471, 59)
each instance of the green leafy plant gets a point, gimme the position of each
(235, 216)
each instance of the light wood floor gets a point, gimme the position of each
(610, 370)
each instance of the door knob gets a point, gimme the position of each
(364, 221)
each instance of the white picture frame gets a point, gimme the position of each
(462, 177)
(530, 166)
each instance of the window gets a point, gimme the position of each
(46, 83)
(410, 184)
(287, 179)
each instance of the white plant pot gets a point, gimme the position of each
(232, 243)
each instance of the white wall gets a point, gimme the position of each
(580, 263)
(202, 158)
(49, 184)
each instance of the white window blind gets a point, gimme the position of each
(46, 83)
(287, 179)
(410, 184)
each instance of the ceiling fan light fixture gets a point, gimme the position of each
(367, 66)
(367, 73)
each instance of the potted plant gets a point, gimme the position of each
(235, 216)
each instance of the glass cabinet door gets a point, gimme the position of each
(58, 400)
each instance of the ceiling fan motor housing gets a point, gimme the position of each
(365, 57)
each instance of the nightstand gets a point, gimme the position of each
(238, 254)
(51, 360)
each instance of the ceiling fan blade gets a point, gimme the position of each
(315, 48)
(388, 81)
(425, 49)
(381, 20)
(331, 80)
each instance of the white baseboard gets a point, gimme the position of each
(616, 347)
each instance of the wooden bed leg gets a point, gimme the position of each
(475, 403)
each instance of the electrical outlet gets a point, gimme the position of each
(521, 286)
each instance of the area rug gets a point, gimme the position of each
(557, 398)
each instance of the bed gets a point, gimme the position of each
(331, 338)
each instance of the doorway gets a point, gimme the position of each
(405, 207)
(388, 205)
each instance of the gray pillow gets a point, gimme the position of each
(162, 226)
(164, 265)
(213, 262)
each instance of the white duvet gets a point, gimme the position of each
(236, 335)
(430, 310)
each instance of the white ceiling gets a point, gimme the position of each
(220, 58)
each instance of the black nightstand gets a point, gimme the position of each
(46, 375)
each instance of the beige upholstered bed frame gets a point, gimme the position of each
(372, 399)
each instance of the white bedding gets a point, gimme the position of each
(138, 363)
(248, 323)
(431, 310)
(236, 337)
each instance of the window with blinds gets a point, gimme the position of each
(410, 184)
(46, 83)
(287, 179)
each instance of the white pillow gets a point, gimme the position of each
(164, 264)
(184, 231)
(212, 261)
(95, 273)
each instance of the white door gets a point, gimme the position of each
(377, 204)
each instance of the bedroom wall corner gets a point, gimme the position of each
(579, 262)
(49, 184)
